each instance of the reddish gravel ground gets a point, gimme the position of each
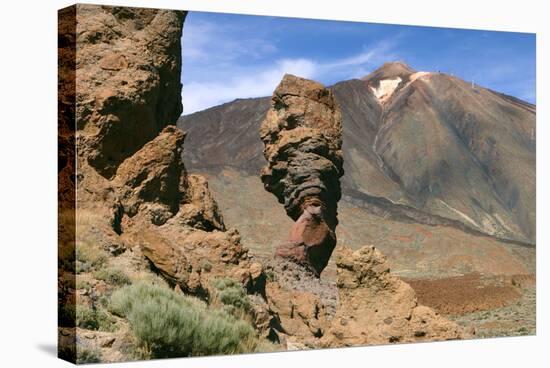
(469, 293)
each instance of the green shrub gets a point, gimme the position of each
(94, 319)
(206, 266)
(113, 276)
(85, 355)
(168, 324)
(82, 284)
(221, 333)
(103, 301)
(231, 294)
(89, 258)
(149, 278)
(270, 275)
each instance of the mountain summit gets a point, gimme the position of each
(390, 70)
(424, 146)
(387, 79)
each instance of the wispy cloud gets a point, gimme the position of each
(233, 56)
(213, 43)
(362, 63)
(201, 95)
(222, 77)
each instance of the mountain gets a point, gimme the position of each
(419, 147)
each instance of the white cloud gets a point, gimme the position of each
(198, 96)
(379, 51)
(222, 67)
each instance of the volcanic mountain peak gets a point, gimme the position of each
(387, 79)
(390, 70)
(425, 140)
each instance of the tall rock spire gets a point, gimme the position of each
(302, 134)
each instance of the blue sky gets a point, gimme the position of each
(228, 56)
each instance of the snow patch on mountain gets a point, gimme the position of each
(385, 89)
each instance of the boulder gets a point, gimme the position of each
(199, 208)
(189, 257)
(154, 175)
(302, 314)
(375, 307)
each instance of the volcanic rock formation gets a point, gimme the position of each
(302, 134)
(423, 147)
(129, 67)
(375, 307)
(131, 179)
(137, 207)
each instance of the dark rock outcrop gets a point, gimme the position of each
(302, 134)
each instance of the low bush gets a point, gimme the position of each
(169, 324)
(83, 285)
(94, 319)
(89, 258)
(231, 294)
(206, 266)
(113, 276)
(149, 278)
(270, 275)
(85, 355)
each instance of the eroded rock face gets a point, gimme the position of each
(137, 205)
(129, 89)
(302, 134)
(189, 257)
(200, 209)
(154, 175)
(132, 184)
(377, 308)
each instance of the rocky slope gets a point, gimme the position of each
(476, 149)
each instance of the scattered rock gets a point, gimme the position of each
(292, 276)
